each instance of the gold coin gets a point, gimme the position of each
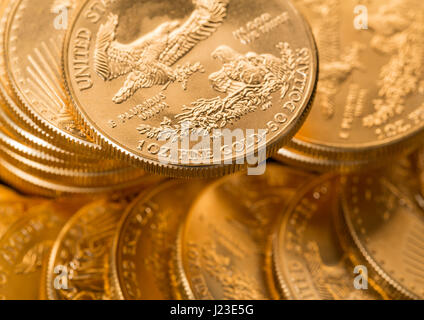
(25, 244)
(145, 240)
(25, 152)
(18, 133)
(18, 123)
(384, 219)
(8, 143)
(307, 162)
(12, 109)
(12, 208)
(191, 68)
(78, 264)
(73, 177)
(33, 64)
(370, 97)
(222, 249)
(29, 183)
(309, 261)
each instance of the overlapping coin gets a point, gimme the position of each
(171, 91)
(145, 240)
(222, 250)
(78, 265)
(99, 100)
(42, 150)
(309, 260)
(28, 228)
(385, 218)
(369, 103)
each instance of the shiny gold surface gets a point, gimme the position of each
(222, 250)
(40, 150)
(370, 98)
(33, 63)
(80, 217)
(309, 261)
(146, 237)
(189, 68)
(28, 229)
(83, 246)
(384, 217)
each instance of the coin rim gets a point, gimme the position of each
(115, 278)
(181, 170)
(365, 252)
(84, 146)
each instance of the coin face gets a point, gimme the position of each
(28, 236)
(145, 240)
(33, 62)
(386, 223)
(222, 251)
(147, 77)
(309, 261)
(78, 263)
(370, 95)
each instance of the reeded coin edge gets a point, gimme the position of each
(116, 243)
(366, 255)
(78, 178)
(279, 273)
(310, 163)
(33, 185)
(181, 171)
(65, 139)
(387, 291)
(371, 152)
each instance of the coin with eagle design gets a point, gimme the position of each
(190, 88)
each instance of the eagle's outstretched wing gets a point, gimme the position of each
(205, 20)
(112, 59)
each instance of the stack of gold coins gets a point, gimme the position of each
(43, 150)
(212, 150)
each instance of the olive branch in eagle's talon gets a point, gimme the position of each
(249, 82)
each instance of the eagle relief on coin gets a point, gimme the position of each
(370, 97)
(187, 87)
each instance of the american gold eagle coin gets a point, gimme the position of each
(190, 88)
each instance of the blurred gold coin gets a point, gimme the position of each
(145, 240)
(310, 262)
(8, 195)
(12, 208)
(384, 217)
(26, 182)
(146, 88)
(370, 97)
(308, 162)
(78, 265)
(26, 242)
(33, 64)
(222, 250)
